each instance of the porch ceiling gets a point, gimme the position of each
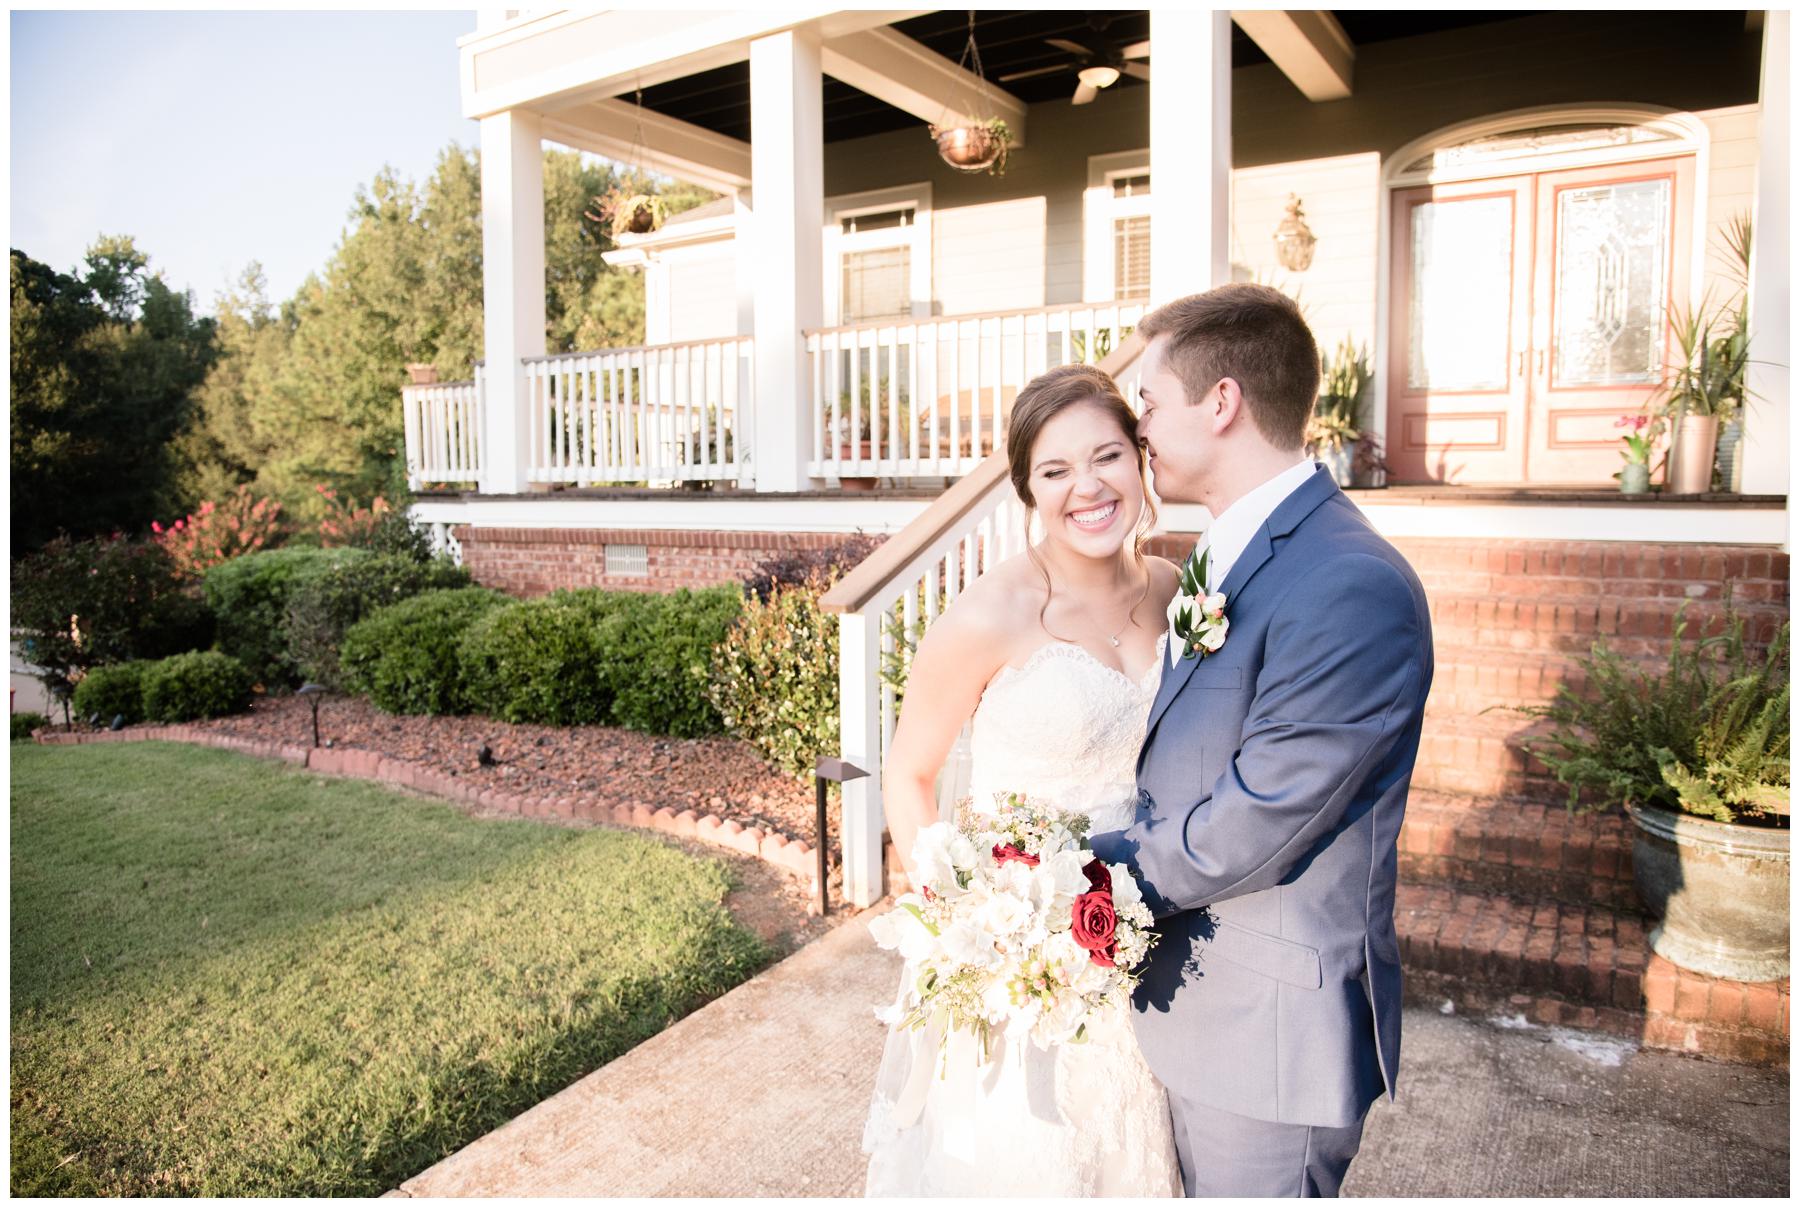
(1010, 41)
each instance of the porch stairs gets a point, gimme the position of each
(1509, 905)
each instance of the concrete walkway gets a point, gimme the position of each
(763, 1092)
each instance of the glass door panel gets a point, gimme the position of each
(1460, 316)
(1607, 270)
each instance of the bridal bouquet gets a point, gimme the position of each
(1016, 923)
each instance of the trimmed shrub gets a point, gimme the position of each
(24, 723)
(83, 604)
(113, 691)
(405, 657)
(538, 661)
(186, 687)
(250, 595)
(774, 680)
(323, 605)
(659, 653)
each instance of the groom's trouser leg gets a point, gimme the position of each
(1225, 1154)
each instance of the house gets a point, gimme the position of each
(1498, 208)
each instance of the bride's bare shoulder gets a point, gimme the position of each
(1000, 604)
(1165, 578)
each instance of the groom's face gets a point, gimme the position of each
(1177, 432)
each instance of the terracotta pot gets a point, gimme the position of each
(642, 222)
(968, 148)
(1691, 466)
(421, 374)
(1721, 891)
(861, 451)
(1634, 478)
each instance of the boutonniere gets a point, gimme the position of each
(1198, 617)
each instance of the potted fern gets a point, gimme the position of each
(1696, 753)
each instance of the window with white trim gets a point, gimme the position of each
(1116, 224)
(875, 257)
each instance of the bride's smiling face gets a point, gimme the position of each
(1086, 482)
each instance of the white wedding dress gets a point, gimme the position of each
(1075, 1120)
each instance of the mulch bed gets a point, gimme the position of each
(719, 776)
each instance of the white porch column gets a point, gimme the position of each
(785, 258)
(1766, 427)
(512, 278)
(1190, 153)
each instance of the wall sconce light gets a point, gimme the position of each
(1294, 240)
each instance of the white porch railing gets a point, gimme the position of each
(929, 397)
(662, 413)
(893, 597)
(443, 432)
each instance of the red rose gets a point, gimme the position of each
(1005, 852)
(1094, 925)
(1099, 880)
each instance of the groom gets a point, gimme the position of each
(1274, 772)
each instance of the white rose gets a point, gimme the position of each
(1065, 869)
(1124, 886)
(961, 851)
(1002, 913)
(963, 943)
(1213, 606)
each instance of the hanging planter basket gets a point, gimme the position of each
(973, 148)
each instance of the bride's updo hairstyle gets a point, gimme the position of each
(1045, 397)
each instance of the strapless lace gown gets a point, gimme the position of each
(1074, 1120)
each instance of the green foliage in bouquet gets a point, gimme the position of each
(405, 657)
(186, 687)
(1707, 735)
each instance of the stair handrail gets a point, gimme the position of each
(957, 529)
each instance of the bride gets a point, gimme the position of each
(1056, 655)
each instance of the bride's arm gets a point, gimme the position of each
(956, 658)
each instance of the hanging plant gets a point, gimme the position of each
(980, 145)
(977, 148)
(629, 213)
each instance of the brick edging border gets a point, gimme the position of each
(793, 856)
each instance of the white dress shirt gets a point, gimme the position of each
(1231, 532)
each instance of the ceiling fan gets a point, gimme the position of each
(1094, 69)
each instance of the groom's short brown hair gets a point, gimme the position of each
(1254, 335)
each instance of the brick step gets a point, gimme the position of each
(1578, 966)
(1542, 622)
(1479, 755)
(1522, 848)
(1586, 567)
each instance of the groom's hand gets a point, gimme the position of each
(1341, 681)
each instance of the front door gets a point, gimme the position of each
(1529, 313)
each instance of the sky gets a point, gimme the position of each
(218, 138)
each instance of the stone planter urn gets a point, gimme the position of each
(1634, 478)
(1340, 460)
(1720, 890)
(1690, 472)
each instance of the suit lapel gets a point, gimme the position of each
(1283, 521)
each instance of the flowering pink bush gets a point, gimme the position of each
(347, 524)
(218, 532)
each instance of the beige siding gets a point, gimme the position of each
(1340, 198)
(702, 297)
(1730, 187)
(989, 257)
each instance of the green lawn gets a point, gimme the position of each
(232, 978)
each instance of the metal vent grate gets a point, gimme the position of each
(628, 560)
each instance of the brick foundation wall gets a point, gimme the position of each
(531, 562)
